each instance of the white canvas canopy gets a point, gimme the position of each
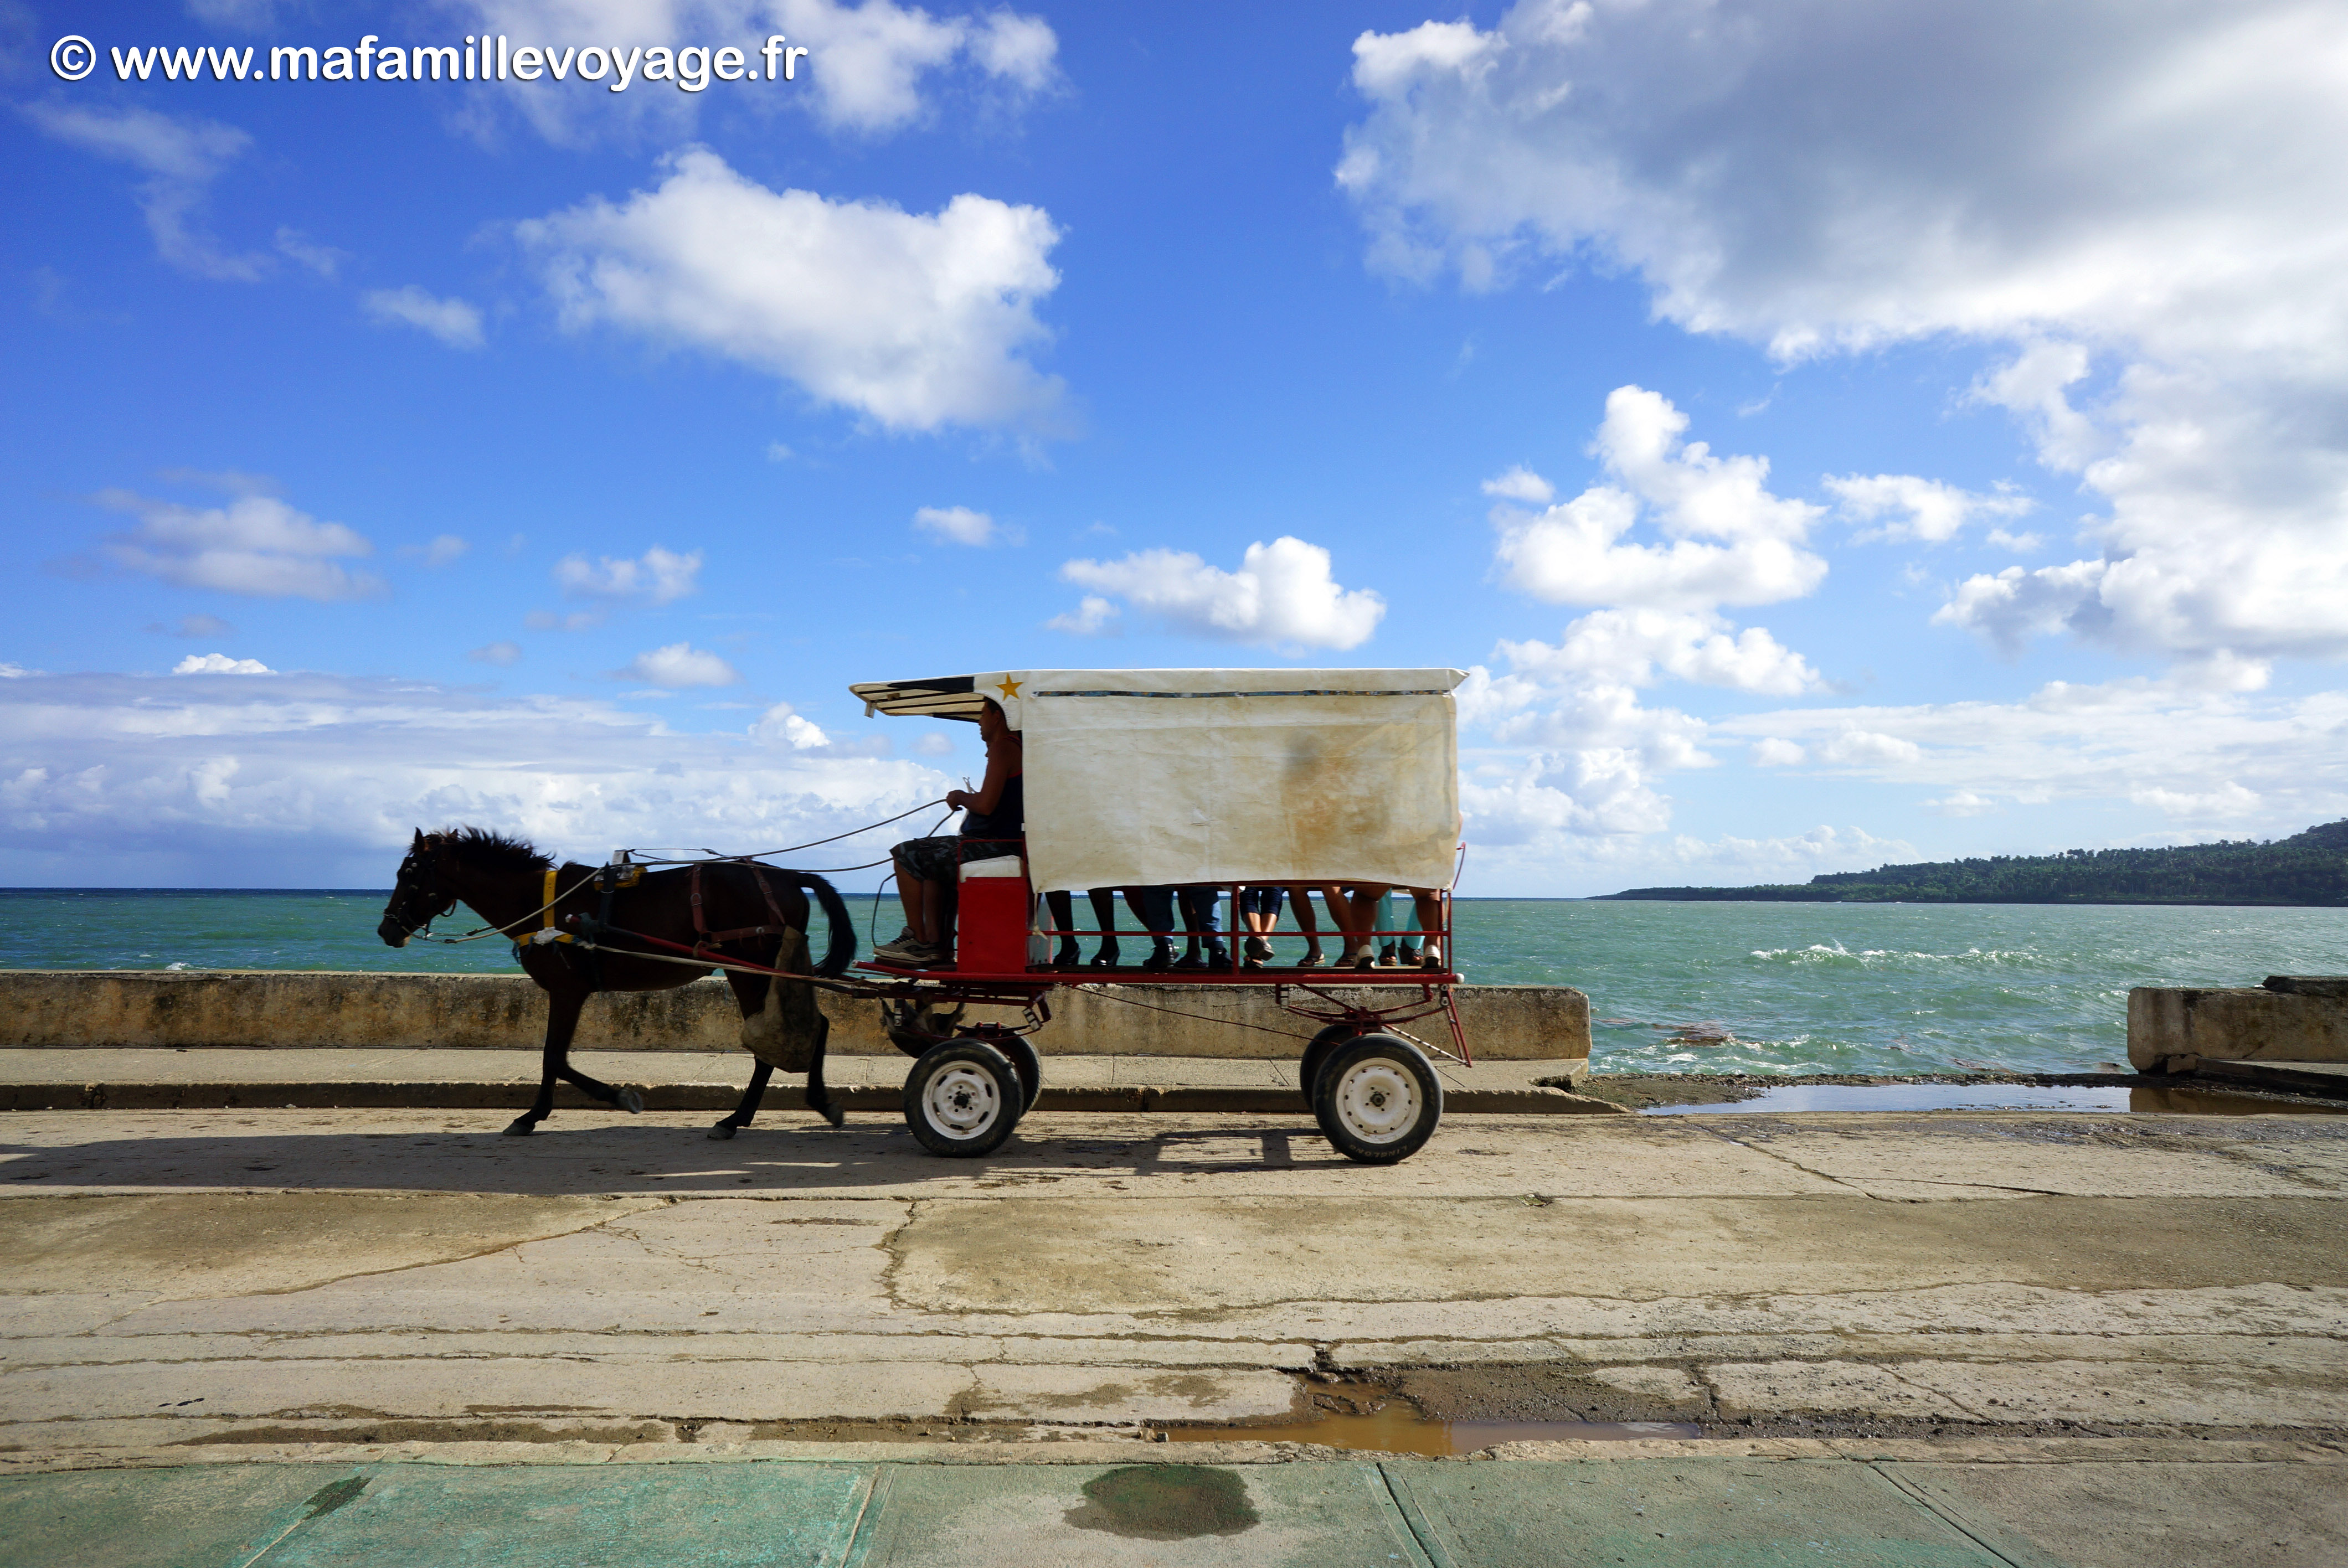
(1142, 777)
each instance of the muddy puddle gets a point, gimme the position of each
(1397, 1428)
(2194, 1101)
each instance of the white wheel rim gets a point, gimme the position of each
(1378, 1101)
(960, 1100)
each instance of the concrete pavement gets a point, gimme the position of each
(347, 1077)
(2063, 1319)
(1748, 1510)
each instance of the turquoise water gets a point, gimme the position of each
(1673, 987)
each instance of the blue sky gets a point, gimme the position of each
(1825, 438)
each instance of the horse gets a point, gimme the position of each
(505, 881)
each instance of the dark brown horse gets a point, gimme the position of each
(504, 881)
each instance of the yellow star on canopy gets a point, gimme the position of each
(1009, 688)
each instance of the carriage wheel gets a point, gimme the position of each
(1027, 1064)
(963, 1098)
(1378, 1100)
(1316, 1056)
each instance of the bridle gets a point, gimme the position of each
(406, 893)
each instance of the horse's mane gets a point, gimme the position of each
(495, 851)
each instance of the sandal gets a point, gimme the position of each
(1308, 961)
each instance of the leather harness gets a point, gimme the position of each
(705, 938)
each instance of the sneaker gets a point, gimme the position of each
(923, 955)
(896, 949)
(1257, 947)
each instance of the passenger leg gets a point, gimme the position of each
(1300, 898)
(1103, 901)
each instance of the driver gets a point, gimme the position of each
(994, 820)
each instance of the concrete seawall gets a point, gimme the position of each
(309, 1009)
(2169, 1028)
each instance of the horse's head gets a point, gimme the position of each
(421, 895)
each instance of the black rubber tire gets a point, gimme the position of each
(1378, 1100)
(1316, 1056)
(963, 1098)
(1026, 1063)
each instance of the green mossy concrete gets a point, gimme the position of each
(1713, 1513)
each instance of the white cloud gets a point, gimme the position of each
(2227, 803)
(1771, 753)
(875, 68)
(255, 545)
(444, 551)
(1281, 596)
(1092, 617)
(1962, 803)
(1928, 510)
(1574, 552)
(679, 665)
(915, 322)
(1521, 484)
(220, 664)
(320, 780)
(961, 525)
(452, 321)
(1640, 647)
(2152, 217)
(934, 744)
(659, 576)
(871, 59)
(323, 260)
(2189, 746)
(181, 158)
(1867, 749)
(501, 653)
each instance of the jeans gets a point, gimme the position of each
(1155, 907)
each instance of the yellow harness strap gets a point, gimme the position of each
(546, 916)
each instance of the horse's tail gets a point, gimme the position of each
(842, 950)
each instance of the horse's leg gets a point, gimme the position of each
(818, 1098)
(760, 1073)
(751, 1004)
(561, 1019)
(559, 1065)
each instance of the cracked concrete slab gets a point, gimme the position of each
(406, 1276)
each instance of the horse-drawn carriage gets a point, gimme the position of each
(1150, 781)
(1195, 779)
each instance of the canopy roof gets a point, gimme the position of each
(1142, 777)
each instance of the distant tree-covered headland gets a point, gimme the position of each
(2306, 868)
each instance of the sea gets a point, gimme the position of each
(1770, 988)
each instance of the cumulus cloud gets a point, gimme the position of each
(679, 665)
(871, 59)
(501, 653)
(2145, 207)
(220, 664)
(1904, 507)
(2195, 750)
(452, 321)
(659, 576)
(1771, 753)
(1281, 596)
(1960, 802)
(913, 321)
(255, 545)
(1576, 552)
(1521, 484)
(318, 781)
(1641, 646)
(961, 525)
(875, 69)
(181, 158)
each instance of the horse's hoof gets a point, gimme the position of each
(723, 1130)
(521, 1127)
(630, 1101)
(835, 1115)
